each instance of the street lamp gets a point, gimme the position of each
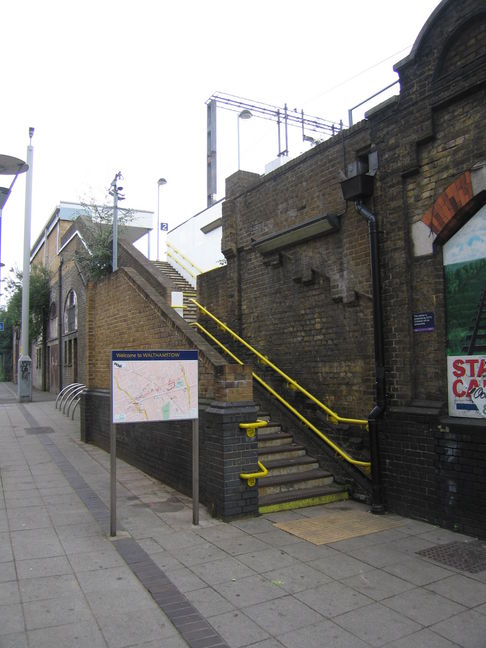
(115, 191)
(244, 114)
(8, 166)
(160, 183)
(24, 377)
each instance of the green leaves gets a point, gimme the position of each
(95, 260)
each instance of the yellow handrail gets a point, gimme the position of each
(251, 427)
(183, 256)
(331, 416)
(181, 264)
(364, 465)
(252, 477)
(250, 433)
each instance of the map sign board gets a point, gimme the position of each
(154, 385)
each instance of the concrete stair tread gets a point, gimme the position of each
(289, 461)
(301, 494)
(274, 436)
(286, 447)
(290, 478)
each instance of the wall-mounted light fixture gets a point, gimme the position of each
(320, 226)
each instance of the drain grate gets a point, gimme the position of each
(465, 556)
(39, 430)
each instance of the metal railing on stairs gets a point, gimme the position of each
(69, 397)
(181, 260)
(332, 416)
(184, 262)
(250, 433)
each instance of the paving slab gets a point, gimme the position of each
(164, 582)
(377, 584)
(325, 633)
(291, 615)
(423, 606)
(333, 599)
(459, 588)
(467, 629)
(376, 624)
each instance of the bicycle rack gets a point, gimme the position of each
(69, 396)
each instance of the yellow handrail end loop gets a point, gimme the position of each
(251, 427)
(252, 477)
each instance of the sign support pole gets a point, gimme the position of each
(195, 471)
(112, 465)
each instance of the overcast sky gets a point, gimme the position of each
(119, 85)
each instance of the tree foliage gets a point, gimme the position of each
(39, 299)
(95, 260)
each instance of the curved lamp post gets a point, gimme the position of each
(8, 166)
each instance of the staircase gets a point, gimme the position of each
(180, 285)
(294, 478)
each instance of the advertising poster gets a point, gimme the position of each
(465, 279)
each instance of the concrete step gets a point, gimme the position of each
(274, 439)
(294, 481)
(270, 428)
(288, 451)
(301, 498)
(290, 465)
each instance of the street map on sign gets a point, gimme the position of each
(154, 386)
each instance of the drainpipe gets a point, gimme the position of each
(59, 325)
(377, 505)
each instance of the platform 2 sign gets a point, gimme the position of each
(467, 385)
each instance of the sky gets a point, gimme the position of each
(119, 85)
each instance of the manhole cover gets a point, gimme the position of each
(39, 430)
(465, 556)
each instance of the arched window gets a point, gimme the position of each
(70, 313)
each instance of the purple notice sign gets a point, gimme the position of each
(423, 322)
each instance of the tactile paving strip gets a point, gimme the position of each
(464, 556)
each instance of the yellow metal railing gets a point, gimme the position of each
(183, 256)
(331, 416)
(365, 466)
(181, 265)
(250, 433)
(180, 255)
(252, 477)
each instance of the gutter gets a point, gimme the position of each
(377, 505)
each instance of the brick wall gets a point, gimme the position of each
(125, 312)
(434, 468)
(308, 306)
(302, 299)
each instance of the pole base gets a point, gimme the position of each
(24, 391)
(378, 509)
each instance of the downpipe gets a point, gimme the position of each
(377, 504)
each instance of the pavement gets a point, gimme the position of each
(164, 582)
